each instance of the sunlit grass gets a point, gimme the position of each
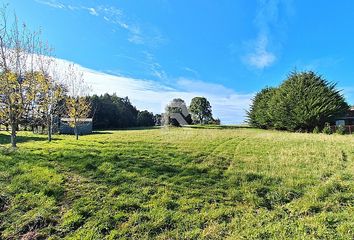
(179, 184)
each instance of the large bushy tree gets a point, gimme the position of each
(176, 113)
(303, 101)
(306, 100)
(200, 110)
(259, 114)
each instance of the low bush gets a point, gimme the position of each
(340, 129)
(327, 129)
(316, 130)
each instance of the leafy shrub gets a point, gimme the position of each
(327, 129)
(316, 130)
(340, 130)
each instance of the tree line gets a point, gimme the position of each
(113, 112)
(305, 101)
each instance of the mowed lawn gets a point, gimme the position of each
(178, 184)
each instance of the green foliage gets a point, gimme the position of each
(259, 114)
(176, 107)
(112, 112)
(158, 119)
(208, 182)
(302, 102)
(340, 129)
(316, 130)
(327, 129)
(200, 110)
(145, 119)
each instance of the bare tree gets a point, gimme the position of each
(77, 103)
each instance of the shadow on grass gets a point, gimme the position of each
(102, 132)
(6, 139)
(107, 131)
(217, 126)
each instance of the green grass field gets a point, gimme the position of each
(178, 184)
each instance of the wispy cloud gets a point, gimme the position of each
(270, 21)
(52, 3)
(193, 85)
(154, 68)
(93, 11)
(319, 63)
(261, 57)
(115, 16)
(146, 63)
(194, 72)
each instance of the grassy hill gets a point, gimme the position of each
(178, 184)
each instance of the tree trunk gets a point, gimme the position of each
(49, 130)
(76, 131)
(13, 135)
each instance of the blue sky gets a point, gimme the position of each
(225, 50)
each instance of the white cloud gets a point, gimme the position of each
(228, 105)
(270, 21)
(261, 57)
(93, 11)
